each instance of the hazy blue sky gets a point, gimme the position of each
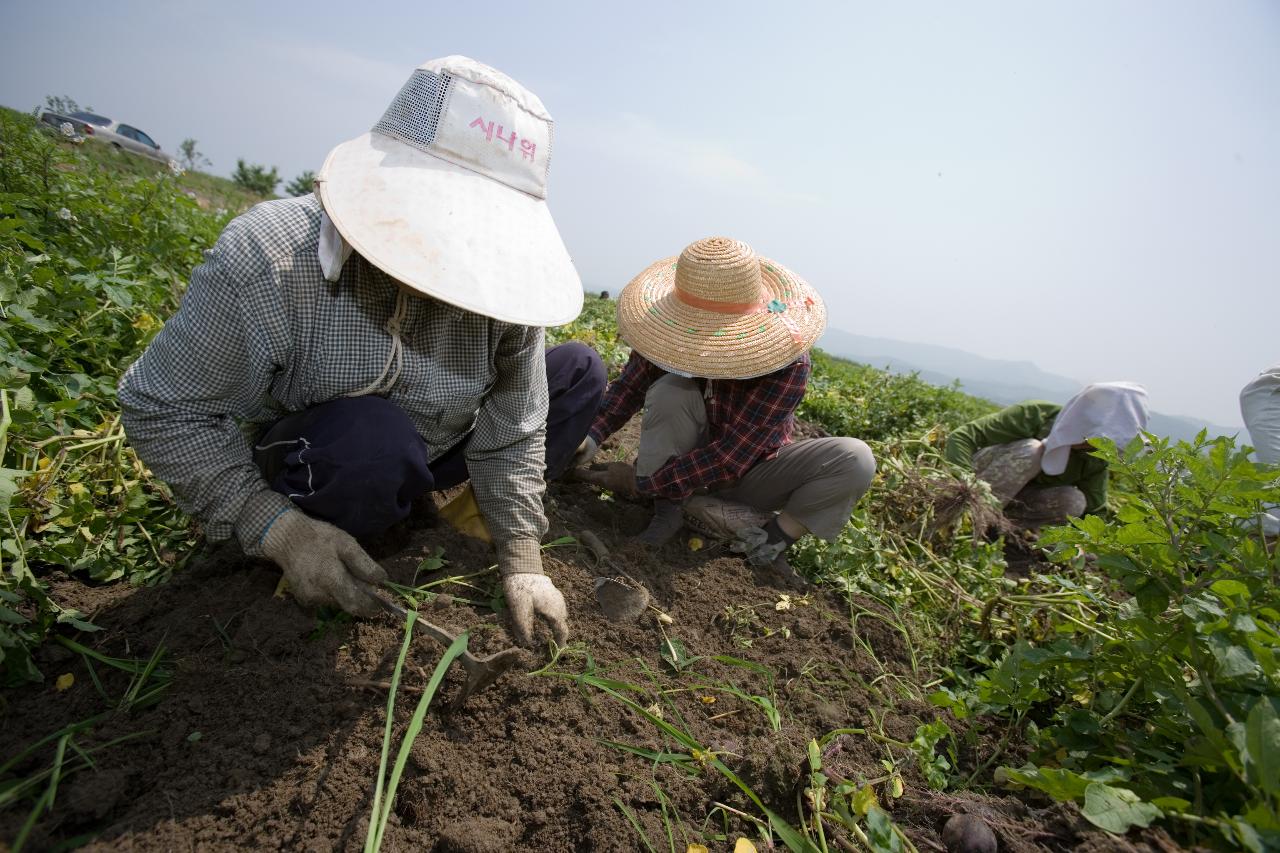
(1092, 186)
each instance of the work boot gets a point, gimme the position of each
(787, 575)
(723, 519)
(667, 521)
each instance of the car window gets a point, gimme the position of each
(53, 118)
(143, 138)
(126, 131)
(92, 118)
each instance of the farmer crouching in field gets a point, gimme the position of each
(1260, 409)
(1036, 455)
(336, 357)
(720, 342)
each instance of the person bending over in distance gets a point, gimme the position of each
(340, 354)
(1260, 408)
(719, 363)
(1035, 455)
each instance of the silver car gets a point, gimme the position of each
(122, 136)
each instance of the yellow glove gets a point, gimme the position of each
(463, 515)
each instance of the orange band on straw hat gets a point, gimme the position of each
(715, 305)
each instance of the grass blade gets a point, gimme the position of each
(635, 823)
(372, 839)
(458, 646)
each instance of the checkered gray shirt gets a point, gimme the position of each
(261, 333)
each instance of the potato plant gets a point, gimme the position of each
(1163, 704)
(91, 262)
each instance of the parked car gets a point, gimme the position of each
(122, 136)
(54, 122)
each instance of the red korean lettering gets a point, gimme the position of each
(511, 143)
(487, 128)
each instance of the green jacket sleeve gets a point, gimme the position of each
(1094, 486)
(1021, 420)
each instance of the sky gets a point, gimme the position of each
(1090, 186)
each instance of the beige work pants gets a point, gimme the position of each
(1009, 470)
(816, 481)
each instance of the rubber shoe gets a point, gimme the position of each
(787, 575)
(723, 519)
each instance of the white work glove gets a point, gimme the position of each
(535, 595)
(323, 564)
(530, 593)
(585, 453)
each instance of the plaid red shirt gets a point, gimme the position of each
(747, 421)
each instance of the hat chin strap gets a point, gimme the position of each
(334, 251)
(395, 355)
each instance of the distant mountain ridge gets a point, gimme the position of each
(999, 381)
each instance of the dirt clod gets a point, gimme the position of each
(967, 833)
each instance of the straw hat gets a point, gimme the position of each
(720, 312)
(447, 194)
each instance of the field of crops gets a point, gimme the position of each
(1111, 686)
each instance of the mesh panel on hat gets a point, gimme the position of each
(415, 113)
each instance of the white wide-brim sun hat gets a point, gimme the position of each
(435, 201)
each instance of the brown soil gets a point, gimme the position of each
(268, 736)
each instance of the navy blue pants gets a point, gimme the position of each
(358, 462)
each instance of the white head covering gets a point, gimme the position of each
(1260, 408)
(1114, 410)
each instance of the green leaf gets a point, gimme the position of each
(674, 653)
(119, 295)
(1063, 785)
(945, 698)
(38, 323)
(10, 480)
(23, 399)
(1244, 623)
(1171, 804)
(881, 836)
(1262, 737)
(1203, 608)
(1153, 598)
(864, 800)
(1140, 534)
(1233, 661)
(815, 756)
(72, 617)
(29, 241)
(1229, 588)
(12, 618)
(1116, 809)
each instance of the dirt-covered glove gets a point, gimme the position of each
(323, 564)
(617, 477)
(585, 453)
(530, 593)
(531, 596)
